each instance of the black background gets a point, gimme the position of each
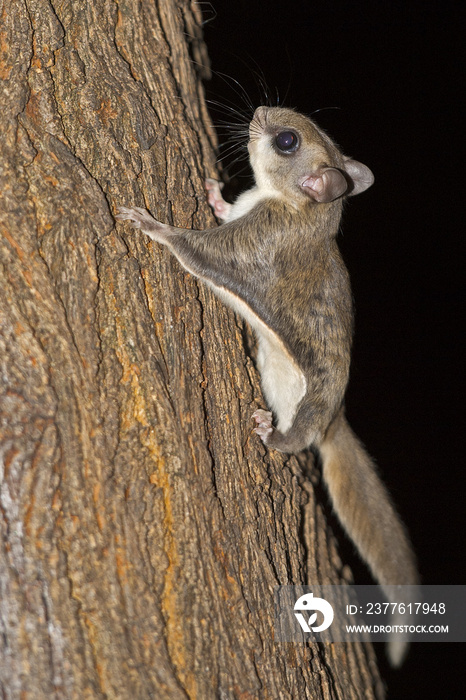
(395, 73)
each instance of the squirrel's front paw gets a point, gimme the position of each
(136, 215)
(141, 219)
(214, 197)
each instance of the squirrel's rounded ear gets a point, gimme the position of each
(325, 185)
(360, 175)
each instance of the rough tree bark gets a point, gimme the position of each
(144, 526)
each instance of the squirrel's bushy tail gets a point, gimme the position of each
(365, 510)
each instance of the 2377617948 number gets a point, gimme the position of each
(405, 608)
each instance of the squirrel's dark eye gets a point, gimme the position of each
(286, 141)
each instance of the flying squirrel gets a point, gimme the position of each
(274, 260)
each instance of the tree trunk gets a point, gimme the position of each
(144, 526)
